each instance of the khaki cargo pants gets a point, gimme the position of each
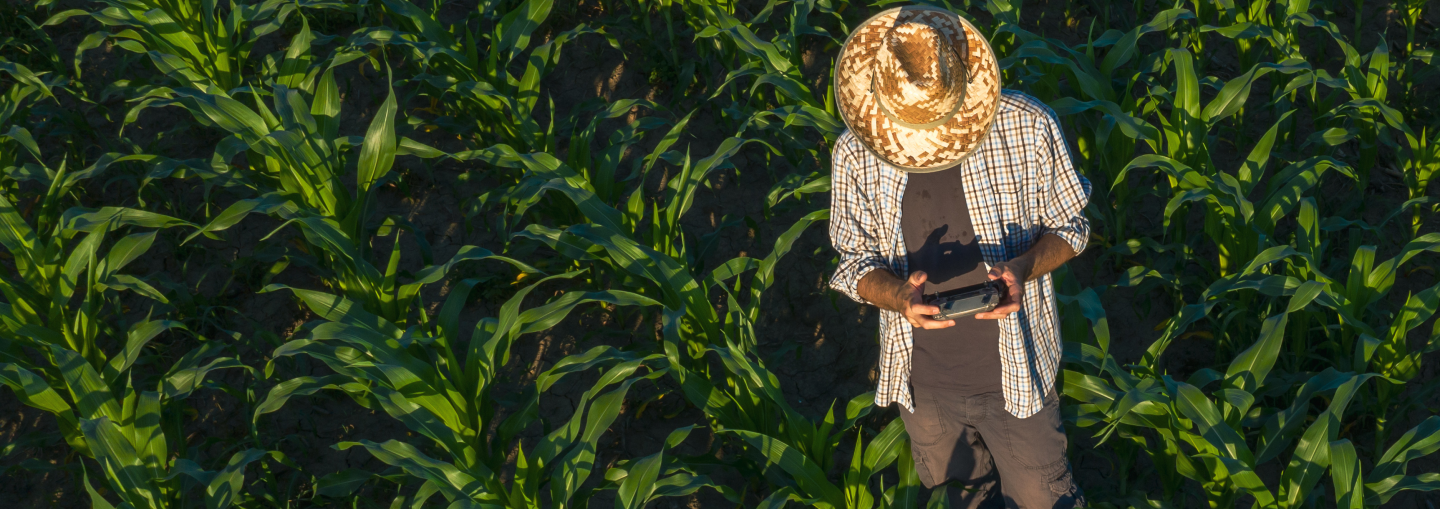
(1001, 460)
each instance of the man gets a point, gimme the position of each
(943, 181)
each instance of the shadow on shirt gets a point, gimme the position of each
(944, 261)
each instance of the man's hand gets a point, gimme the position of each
(1014, 276)
(1048, 253)
(906, 297)
(916, 311)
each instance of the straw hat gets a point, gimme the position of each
(918, 86)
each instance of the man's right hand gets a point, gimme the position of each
(903, 296)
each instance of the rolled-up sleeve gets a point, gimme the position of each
(1066, 190)
(851, 223)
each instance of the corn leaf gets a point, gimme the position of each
(807, 476)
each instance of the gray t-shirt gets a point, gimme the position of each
(941, 241)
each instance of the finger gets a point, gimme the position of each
(924, 309)
(993, 315)
(936, 324)
(918, 277)
(999, 312)
(995, 273)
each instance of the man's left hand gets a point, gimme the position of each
(1014, 276)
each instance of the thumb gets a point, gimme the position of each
(917, 278)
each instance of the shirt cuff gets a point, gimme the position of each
(847, 277)
(1077, 234)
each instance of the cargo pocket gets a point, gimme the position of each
(1062, 485)
(922, 469)
(1062, 482)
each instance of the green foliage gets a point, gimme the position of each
(67, 346)
(467, 68)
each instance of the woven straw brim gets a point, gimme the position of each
(917, 150)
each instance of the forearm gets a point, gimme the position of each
(1048, 254)
(884, 289)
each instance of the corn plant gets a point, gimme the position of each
(660, 60)
(1420, 163)
(134, 439)
(200, 44)
(642, 480)
(300, 171)
(67, 350)
(1365, 117)
(51, 264)
(775, 65)
(1239, 227)
(1416, 66)
(596, 173)
(43, 313)
(1382, 347)
(776, 62)
(654, 261)
(298, 154)
(1363, 113)
(467, 68)
(14, 105)
(751, 407)
(1206, 437)
(749, 402)
(1102, 152)
(416, 376)
(43, 94)
(1238, 222)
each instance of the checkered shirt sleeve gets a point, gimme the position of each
(854, 229)
(1020, 185)
(1066, 192)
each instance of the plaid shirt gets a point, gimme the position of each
(1019, 185)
